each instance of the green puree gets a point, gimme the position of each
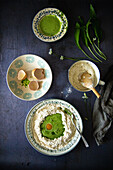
(50, 25)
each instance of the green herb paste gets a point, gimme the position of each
(25, 82)
(50, 25)
(57, 130)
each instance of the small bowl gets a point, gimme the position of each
(49, 11)
(80, 67)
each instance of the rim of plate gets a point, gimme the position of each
(8, 72)
(50, 152)
(46, 11)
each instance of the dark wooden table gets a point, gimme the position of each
(17, 38)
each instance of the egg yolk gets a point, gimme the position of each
(49, 126)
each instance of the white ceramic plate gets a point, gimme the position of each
(50, 11)
(27, 63)
(29, 131)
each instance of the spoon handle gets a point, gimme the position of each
(84, 140)
(69, 113)
(95, 92)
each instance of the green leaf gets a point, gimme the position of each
(77, 35)
(92, 12)
(95, 24)
(102, 54)
(97, 30)
(83, 32)
(85, 36)
(88, 36)
(87, 31)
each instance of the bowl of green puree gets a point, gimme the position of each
(50, 24)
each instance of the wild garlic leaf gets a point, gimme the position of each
(77, 35)
(83, 31)
(95, 24)
(92, 12)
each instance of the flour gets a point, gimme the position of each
(67, 91)
(69, 126)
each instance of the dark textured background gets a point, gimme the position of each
(17, 38)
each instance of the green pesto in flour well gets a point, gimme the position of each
(50, 25)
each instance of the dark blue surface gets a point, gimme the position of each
(17, 38)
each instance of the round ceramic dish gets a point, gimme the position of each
(29, 131)
(27, 63)
(74, 75)
(49, 11)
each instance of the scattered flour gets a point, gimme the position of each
(67, 91)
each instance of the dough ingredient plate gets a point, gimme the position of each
(27, 63)
(29, 130)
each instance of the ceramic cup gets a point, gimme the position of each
(78, 68)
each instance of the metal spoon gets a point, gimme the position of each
(69, 113)
(84, 140)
